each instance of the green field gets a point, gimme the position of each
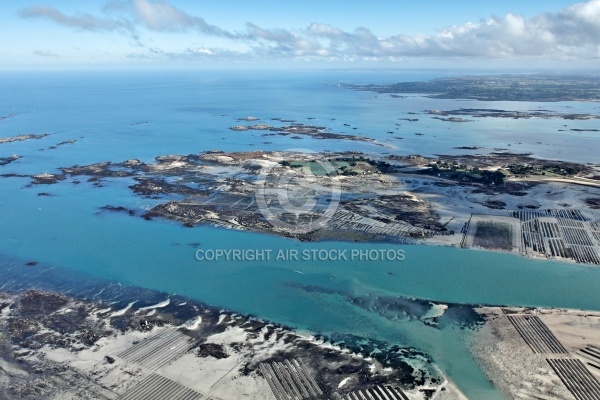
(317, 168)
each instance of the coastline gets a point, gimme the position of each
(82, 339)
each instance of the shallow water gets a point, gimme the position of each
(118, 116)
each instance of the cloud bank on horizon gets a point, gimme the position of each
(572, 33)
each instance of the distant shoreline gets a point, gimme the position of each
(534, 88)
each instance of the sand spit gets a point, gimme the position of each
(516, 347)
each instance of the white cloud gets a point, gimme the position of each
(571, 33)
(191, 53)
(161, 16)
(84, 22)
(44, 53)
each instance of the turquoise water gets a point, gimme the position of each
(189, 113)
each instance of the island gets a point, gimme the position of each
(20, 138)
(495, 113)
(499, 201)
(8, 160)
(316, 132)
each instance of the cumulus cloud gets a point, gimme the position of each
(570, 33)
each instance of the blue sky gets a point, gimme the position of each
(458, 33)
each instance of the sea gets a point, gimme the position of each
(120, 115)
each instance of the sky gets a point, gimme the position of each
(348, 33)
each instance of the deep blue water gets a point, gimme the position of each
(118, 116)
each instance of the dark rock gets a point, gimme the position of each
(212, 350)
(495, 204)
(118, 209)
(593, 202)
